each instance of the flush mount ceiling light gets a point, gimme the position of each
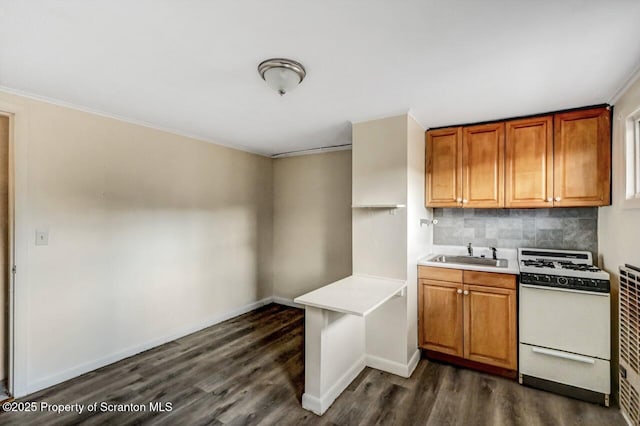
(282, 75)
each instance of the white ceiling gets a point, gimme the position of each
(190, 66)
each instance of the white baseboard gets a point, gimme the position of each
(393, 367)
(76, 371)
(318, 405)
(413, 362)
(286, 301)
(312, 403)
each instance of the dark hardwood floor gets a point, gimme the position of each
(249, 370)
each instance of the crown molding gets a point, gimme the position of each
(136, 122)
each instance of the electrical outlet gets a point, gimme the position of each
(42, 238)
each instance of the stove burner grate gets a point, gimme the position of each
(539, 263)
(579, 267)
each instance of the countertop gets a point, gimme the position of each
(356, 294)
(510, 254)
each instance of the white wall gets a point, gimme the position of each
(150, 235)
(380, 161)
(386, 244)
(4, 240)
(619, 227)
(419, 238)
(380, 238)
(312, 222)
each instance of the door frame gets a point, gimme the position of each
(17, 383)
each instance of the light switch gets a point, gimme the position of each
(42, 238)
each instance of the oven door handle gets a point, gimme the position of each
(565, 355)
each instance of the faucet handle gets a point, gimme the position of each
(495, 252)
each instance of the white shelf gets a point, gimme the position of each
(378, 206)
(357, 295)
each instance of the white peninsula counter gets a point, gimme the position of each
(335, 349)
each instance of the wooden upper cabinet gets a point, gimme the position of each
(529, 162)
(490, 326)
(483, 166)
(440, 318)
(582, 158)
(556, 160)
(444, 164)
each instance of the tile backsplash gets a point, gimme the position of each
(560, 228)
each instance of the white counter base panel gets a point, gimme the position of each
(335, 334)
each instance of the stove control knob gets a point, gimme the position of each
(562, 280)
(580, 282)
(536, 278)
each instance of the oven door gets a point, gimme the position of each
(567, 320)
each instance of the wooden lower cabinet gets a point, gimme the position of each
(490, 326)
(441, 325)
(471, 319)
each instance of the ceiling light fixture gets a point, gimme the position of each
(282, 75)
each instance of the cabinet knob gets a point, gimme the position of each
(558, 198)
(465, 201)
(549, 199)
(459, 291)
(466, 292)
(459, 200)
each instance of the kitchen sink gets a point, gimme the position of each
(469, 260)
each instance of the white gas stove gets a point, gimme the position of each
(569, 269)
(564, 323)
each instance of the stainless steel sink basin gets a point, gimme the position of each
(469, 260)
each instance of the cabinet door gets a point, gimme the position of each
(483, 166)
(490, 326)
(444, 165)
(582, 158)
(440, 315)
(529, 163)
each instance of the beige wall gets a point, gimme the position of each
(312, 222)
(150, 234)
(619, 227)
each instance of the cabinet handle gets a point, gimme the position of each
(466, 292)
(558, 198)
(459, 291)
(549, 199)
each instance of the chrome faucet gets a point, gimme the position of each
(469, 249)
(494, 251)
